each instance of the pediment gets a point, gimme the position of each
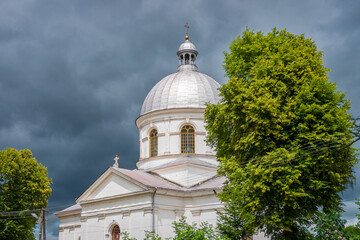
(186, 174)
(111, 183)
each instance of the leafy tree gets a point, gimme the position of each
(330, 227)
(152, 236)
(352, 232)
(126, 236)
(24, 188)
(281, 132)
(231, 222)
(185, 231)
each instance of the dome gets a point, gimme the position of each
(187, 88)
(183, 89)
(187, 45)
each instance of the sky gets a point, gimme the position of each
(74, 73)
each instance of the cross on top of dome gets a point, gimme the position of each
(187, 27)
(187, 88)
(187, 54)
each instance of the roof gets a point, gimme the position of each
(187, 88)
(148, 179)
(187, 45)
(183, 89)
(186, 159)
(154, 181)
(72, 208)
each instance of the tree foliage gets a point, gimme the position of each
(281, 132)
(330, 226)
(231, 222)
(24, 186)
(185, 231)
(352, 232)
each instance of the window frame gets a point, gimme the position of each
(115, 235)
(185, 141)
(153, 140)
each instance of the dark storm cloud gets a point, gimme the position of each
(74, 74)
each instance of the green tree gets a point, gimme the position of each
(330, 227)
(24, 188)
(185, 231)
(352, 232)
(281, 132)
(231, 222)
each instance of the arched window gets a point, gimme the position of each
(153, 143)
(187, 139)
(115, 234)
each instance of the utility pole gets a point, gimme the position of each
(42, 230)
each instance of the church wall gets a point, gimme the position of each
(95, 228)
(140, 221)
(71, 220)
(117, 204)
(69, 227)
(134, 214)
(168, 125)
(164, 221)
(70, 233)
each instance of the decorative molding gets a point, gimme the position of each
(144, 139)
(200, 133)
(174, 133)
(83, 219)
(147, 211)
(221, 210)
(160, 113)
(179, 212)
(61, 229)
(101, 216)
(70, 227)
(161, 134)
(126, 213)
(196, 213)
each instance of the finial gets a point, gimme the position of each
(116, 159)
(187, 27)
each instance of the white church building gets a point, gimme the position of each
(176, 174)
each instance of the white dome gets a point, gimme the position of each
(183, 89)
(187, 45)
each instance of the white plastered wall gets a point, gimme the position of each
(168, 123)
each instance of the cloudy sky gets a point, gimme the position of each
(74, 73)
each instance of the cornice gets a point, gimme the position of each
(162, 112)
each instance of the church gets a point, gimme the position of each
(176, 173)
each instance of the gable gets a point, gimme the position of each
(114, 185)
(187, 175)
(111, 184)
